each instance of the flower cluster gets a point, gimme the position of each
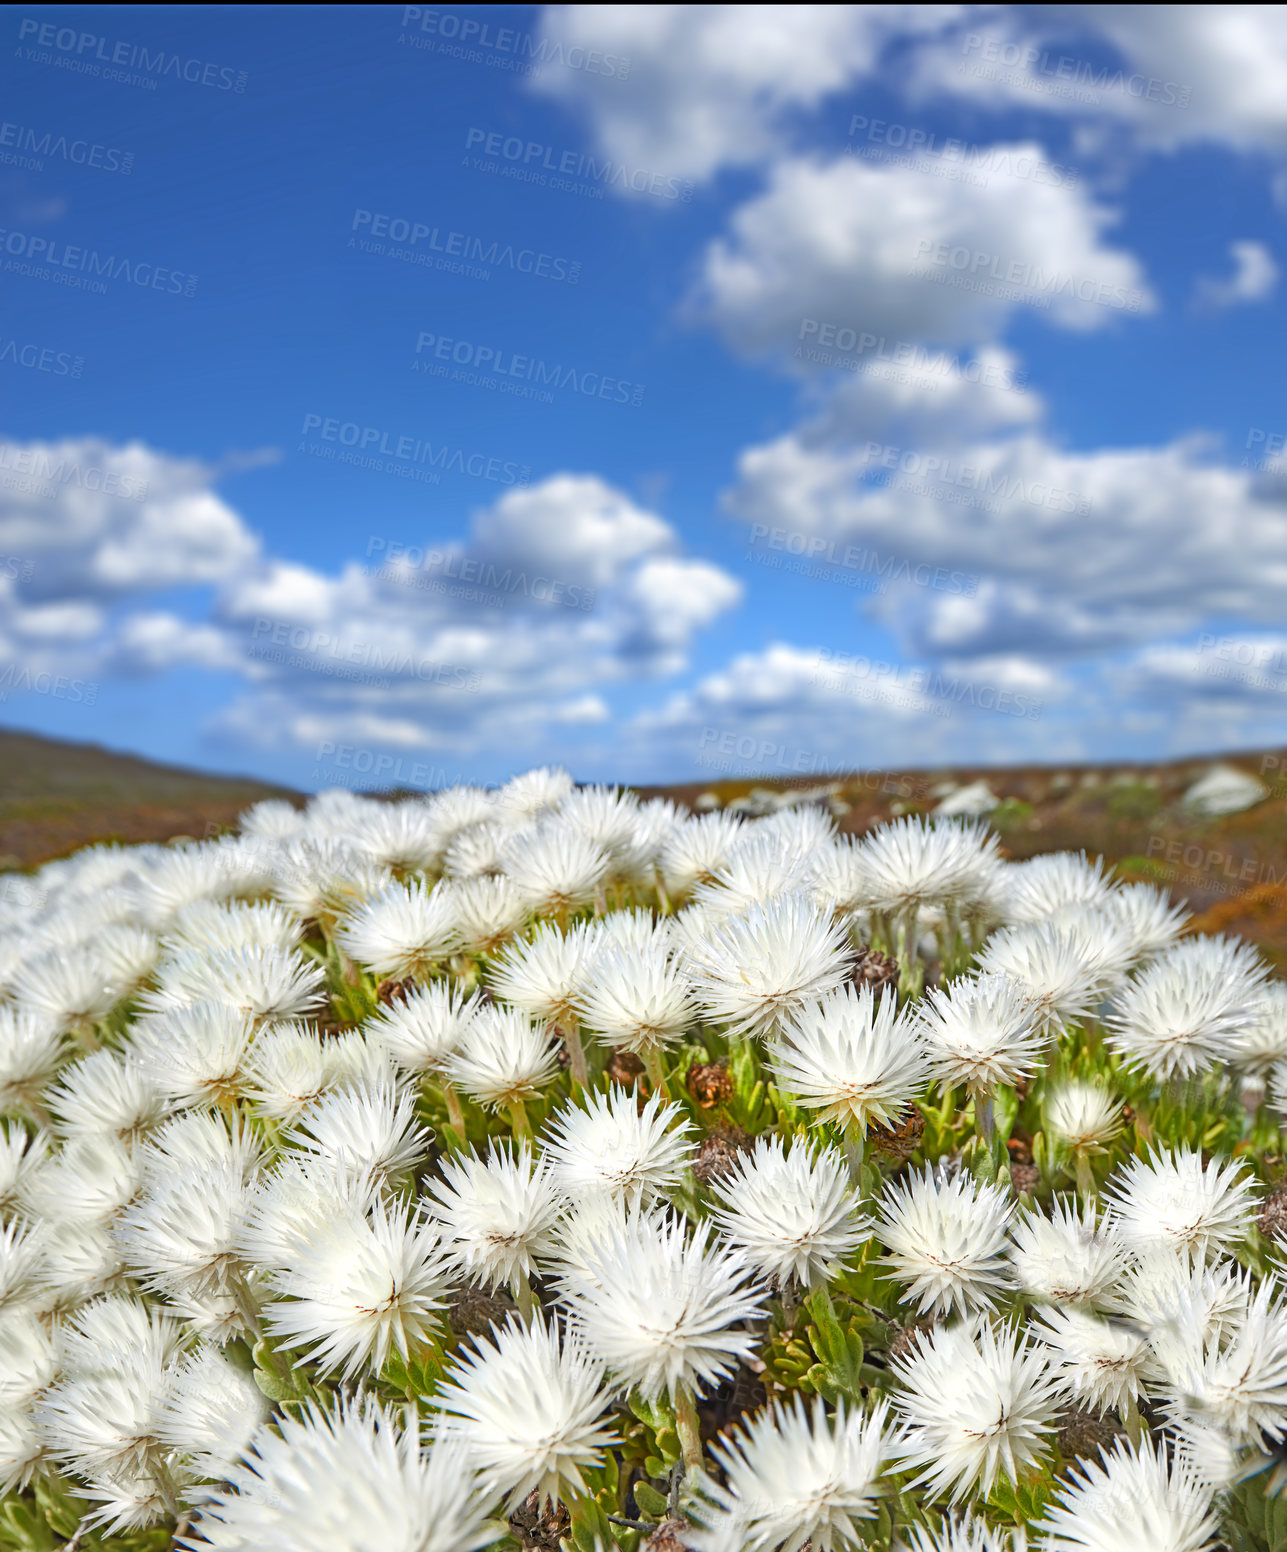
(538, 1163)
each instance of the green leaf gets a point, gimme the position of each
(650, 1501)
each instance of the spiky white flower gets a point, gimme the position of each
(21, 1153)
(530, 1405)
(347, 1478)
(364, 1132)
(524, 797)
(663, 1311)
(856, 1059)
(1258, 1048)
(1151, 922)
(695, 851)
(183, 1231)
(763, 964)
(488, 913)
(640, 1001)
(606, 1145)
(981, 1031)
(1066, 1258)
(287, 1070)
(838, 877)
(498, 1213)
(127, 954)
(359, 1285)
(1172, 1201)
(914, 862)
(1181, 1307)
(976, 1400)
(1042, 887)
(476, 852)
(87, 1181)
(1086, 1115)
(70, 991)
(793, 1476)
(198, 1054)
(28, 1358)
(607, 816)
(542, 975)
(965, 1534)
(402, 932)
(209, 1411)
(30, 1050)
(1059, 965)
(107, 1421)
(947, 1241)
(214, 925)
(504, 1058)
(554, 868)
(273, 818)
(21, 1255)
(1239, 1387)
(107, 1093)
(422, 1028)
(1102, 1362)
(401, 836)
(263, 981)
(322, 878)
(757, 870)
(793, 1214)
(77, 1262)
(1133, 1497)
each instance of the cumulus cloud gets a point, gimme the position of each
(1076, 552)
(696, 88)
(1254, 279)
(884, 250)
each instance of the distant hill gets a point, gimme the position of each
(56, 796)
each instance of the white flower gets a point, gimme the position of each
(914, 862)
(87, 1181)
(975, 1401)
(1057, 963)
(359, 1285)
(402, 836)
(792, 1214)
(77, 1261)
(262, 981)
(554, 867)
(947, 1241)
(542, 975)
(609, 817)
(964, 1535)
(1175, 1202)
(1042, 887)
(764, 963)
(488, 913)
(981, 1031)
(1101, 1362)
(107, 1421)
(403, 932)
(498, 1213)
(637, 1000)
(182, 1233)
(664, 1312)
(28, 1358)
(1150, 921)
(1067, 1258)
(1133, 1498)
(855, 1058)
(348, 1478)
(756, 871)
(530, 1405)
(209, 1410)
(503, 1058)
(366, 1132)
(67, 990)
(476, 852)
(1257, 1049)
(21, 1153)
(422, 1028)
(322, 878)
(524, 797)
(21, 1254)
(1182, 1309)
(30, 1050)
(196, 1055)
(696, 849)
(287, 1070)
(1239, 1387)
(107, 1093)
(604, 1145)
(793, 1476)
(1086, 1115)
(212, 924)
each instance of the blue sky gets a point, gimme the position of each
(723, 388)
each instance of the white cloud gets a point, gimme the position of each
(1254, 279)
(712, 86)
(1074, 552)
(886, 251)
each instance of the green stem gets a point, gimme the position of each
(517, 1112)
(855, 1146)
(1136, 1428)
(528, 1303)
(984, 1117)
(454, 1112)
(650, 1055)
(686, 1425)
(1085, 1176)
(576, 1051)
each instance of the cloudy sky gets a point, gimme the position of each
(654, 390)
